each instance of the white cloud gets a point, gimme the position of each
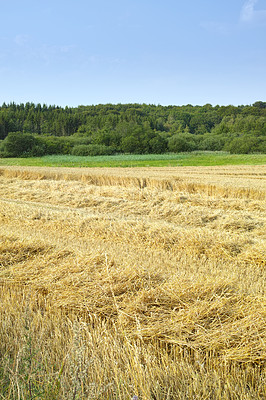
(250, 15)
(247, 12)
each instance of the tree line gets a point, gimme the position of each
(34, 129)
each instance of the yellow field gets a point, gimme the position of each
(122, 282)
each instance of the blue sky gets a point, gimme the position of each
(133, 51)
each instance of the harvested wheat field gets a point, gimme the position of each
(122, 282)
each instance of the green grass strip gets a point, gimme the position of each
(140, 160)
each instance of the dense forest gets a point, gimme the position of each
(35, 130)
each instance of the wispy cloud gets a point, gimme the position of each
(52, 53)
(250, 15)
(217, 27)
(66, 49)
(21, 40)
(26, 49)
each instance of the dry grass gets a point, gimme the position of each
(120, 282)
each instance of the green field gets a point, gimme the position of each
(142, 160)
